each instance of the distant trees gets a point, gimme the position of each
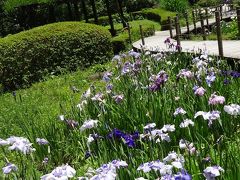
(26, 14)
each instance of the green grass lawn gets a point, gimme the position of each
(43, 102)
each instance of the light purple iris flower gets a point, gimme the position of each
(9, 168)
(41, 141)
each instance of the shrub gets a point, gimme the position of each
(120, 42)
(175, 5)
(103, 20)
(207, 3)
(28, 56)
(158, 15)
(136, 5)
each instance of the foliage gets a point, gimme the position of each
(104, 20)
(121, 41)
(136, 5)
(236, 2)
(207, 3)
(130, 75)
(180, 6)
(28, 56)
(158, 15)
(11, 4)
(229, 32)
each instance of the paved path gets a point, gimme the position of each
(231, 48)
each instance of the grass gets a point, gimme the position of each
(34, 113)
(44, 101)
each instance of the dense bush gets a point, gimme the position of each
(236, 2)
(104, 20)
(158, 15)
(121, 42)
(28, 56)
(136, 5)
(175, 5)
(207, 3)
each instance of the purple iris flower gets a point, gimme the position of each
(87, 155)
(127, 67)
(116, 133)
(137, 65)
(235, 74)
(226, 82)
(134, 54)
(109, 88)
(183, 175)
(129, 139)
(9, 168)
(41, 141)
(45, 160)
(210, 79)
(107, 76)
(72, 124)
(158, 81)
(167, 41)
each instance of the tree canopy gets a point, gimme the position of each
(11, 4)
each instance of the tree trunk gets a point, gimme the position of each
(51, 14)
(70, 14)
(112, 31)
(120, 10)
(76, 9)
(94, 11)
(84, 10)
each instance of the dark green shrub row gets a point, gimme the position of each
(155, 14)
(179, 6)
(207, 3)
(28, 56)
(121, 42)
(103, 20)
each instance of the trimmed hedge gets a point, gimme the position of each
(207, 3)
(28, 56)
(121, 42)
(156, 14)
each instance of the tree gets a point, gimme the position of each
(94, 11)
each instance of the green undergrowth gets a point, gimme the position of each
(134, 101)
(44, 101)
(229, 31)
(121, 41)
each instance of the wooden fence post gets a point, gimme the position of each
(187, 23)
(207, 21)
(221, 12)
(170, 26)
(219, 34)
(153, 29)
(203, 27)
(129, 33)
(177, 33)
(238, 19)
(194, 21)
(142, 36)
(180, 32)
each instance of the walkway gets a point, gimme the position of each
(231, 48)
